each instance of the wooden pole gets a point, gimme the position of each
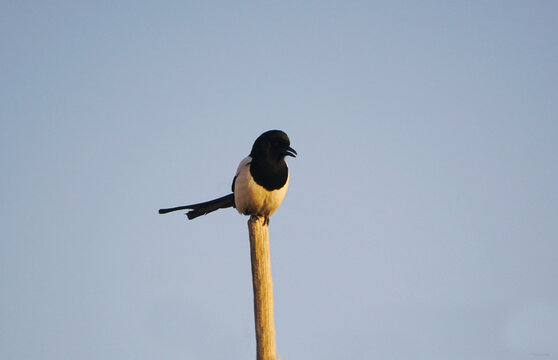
(263, 288)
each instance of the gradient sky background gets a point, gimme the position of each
(422, 216)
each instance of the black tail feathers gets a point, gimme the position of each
(204, 207)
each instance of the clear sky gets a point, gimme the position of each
(421, 220)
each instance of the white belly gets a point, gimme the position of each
(253, 199)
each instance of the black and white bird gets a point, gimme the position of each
(260, 183)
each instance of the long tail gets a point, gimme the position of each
(204, 207)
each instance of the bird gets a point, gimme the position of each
(260, 183)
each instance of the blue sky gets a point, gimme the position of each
(420, 221)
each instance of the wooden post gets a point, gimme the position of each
(263, 288)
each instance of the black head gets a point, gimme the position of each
(273, 145)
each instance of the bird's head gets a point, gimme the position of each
(273, 144)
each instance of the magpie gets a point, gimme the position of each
(260, 183)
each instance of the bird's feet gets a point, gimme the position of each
(264, 218)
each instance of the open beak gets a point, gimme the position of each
(290, 152)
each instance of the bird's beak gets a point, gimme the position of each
(289, 151)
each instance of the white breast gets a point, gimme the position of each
(253, 199)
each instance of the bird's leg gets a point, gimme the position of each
(264, 217)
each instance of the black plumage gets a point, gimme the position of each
(260, 182)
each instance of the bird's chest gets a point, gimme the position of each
(254, 199)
